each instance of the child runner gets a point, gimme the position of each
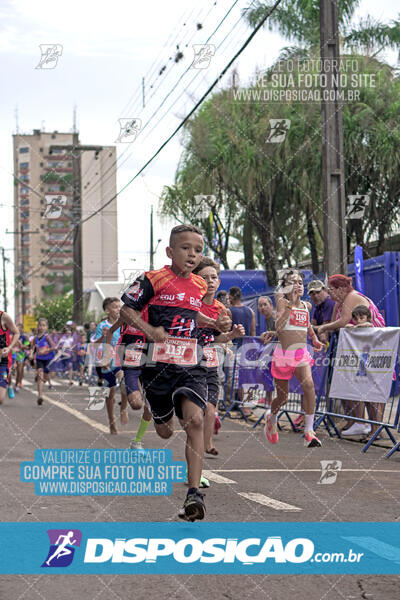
(209, 271)
(129, 351)
(111, 374)
(291, 356)
(9, 335)
(22, 351)
(81, 349)
(65, 347)
(42, 350)
(170, 299)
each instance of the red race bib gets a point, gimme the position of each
(176, 351)
(211, 355)
(132, 357)
(298, 318)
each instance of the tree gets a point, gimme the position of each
(57, 311)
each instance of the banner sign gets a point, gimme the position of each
(364, 363)
(204, 548)
(359, 268)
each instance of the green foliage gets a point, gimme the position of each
(57, 311)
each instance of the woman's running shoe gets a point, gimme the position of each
(217, 424)
(10, 391)
(298, 423)
(193, 508)
(311, 440)
(271, 430)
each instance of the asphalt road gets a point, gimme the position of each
(250, 481)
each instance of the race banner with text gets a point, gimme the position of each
(364, 364)
(205, 548)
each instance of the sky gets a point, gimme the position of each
(105, 54)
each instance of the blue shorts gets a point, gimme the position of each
(131, 376)
(3, 376)
(43, 364)
(110, 377)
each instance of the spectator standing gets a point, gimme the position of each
(323, 304)
(241, 314)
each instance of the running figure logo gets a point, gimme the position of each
(129, 128)
(279, 129)
(329, 471)
(54, 206)
(362, 371)
(203, 54)
(62, 547)
(50, 55)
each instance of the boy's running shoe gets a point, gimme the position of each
(217, 424)
(10, 391)
(311, 440)
(271, 431)
(193, 508)
(136, 445)
(40, 401)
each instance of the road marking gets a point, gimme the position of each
(270, 502)
(77, 414)
(303, 470)
(217, 478)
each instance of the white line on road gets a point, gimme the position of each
(302, 470)
(217, 478)
(78, 415)
(270, 502)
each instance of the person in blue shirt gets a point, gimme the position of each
(111, 373)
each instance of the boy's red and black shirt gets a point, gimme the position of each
(167, 300)
(207, 335)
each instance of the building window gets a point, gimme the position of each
(53, 136)
(24, 177)
(24, 165)
(24, 190)
(24, 214)
(24, 150)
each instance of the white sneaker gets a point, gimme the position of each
(136, 445)
(357, 429)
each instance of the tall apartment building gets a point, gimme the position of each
(43, 262)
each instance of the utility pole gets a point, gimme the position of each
(22, 276)
(77, 277)
(4, 279)
(151, 241)
(333, 190)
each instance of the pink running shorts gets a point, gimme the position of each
(285, 362)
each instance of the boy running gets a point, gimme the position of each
(9, 335)
(209, 271)
(173, 379)
(112, 374)
(291, 356)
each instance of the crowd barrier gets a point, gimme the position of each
(250, 370)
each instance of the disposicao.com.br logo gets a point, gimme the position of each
(212, 550)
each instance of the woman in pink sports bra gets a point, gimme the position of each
(291, 356)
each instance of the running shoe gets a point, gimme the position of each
(193, 508)
(298, 423)
(136, 445)
(217, 424)
(311, 440)
(10, 391)
(40, 401)
(357, 429)
(270, 430)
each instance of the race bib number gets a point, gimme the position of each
(176, 351)
(298, 318)
(211, 355)
(132, 357)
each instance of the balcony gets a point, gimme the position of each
(59, 229)
(58, 169)
(58, 156)
(55, 267)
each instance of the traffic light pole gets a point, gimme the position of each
(333, 188)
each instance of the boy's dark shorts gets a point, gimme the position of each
(164, 388)
(43, 364)
(110, 377)
(4, 371)
(212, 386)
(131, 376)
